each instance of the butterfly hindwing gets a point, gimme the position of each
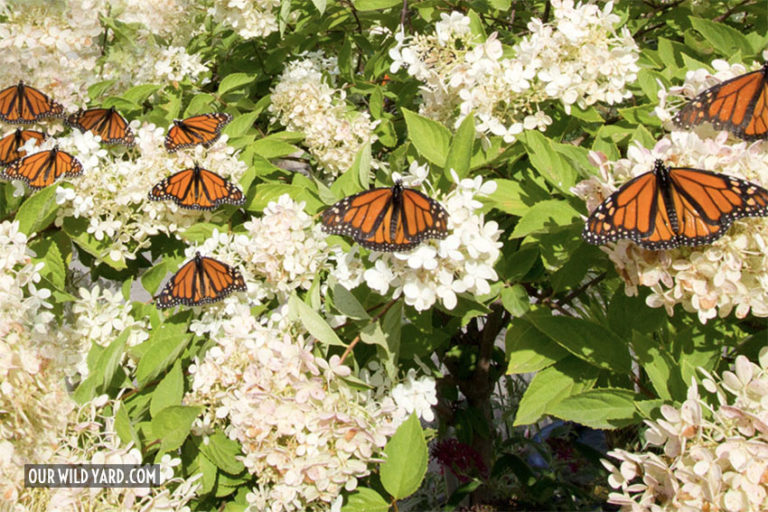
(197, 189)
(204, 129)
(669, 207)
(42, 169)
(387, 219)
(739, 105)
(10, 144)
(104, 122)
(22, 104)
(201, 280)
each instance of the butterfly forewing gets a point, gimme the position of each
(739, 105)
(197, 189)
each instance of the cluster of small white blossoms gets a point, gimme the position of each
(413, 395)
(579, 59)
(731, 273)
(249, 18)
(712, 457)
(57, 46)
(112, 192)
(438, 269)
(305, 432)
(304, 101)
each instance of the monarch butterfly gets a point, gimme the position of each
(197, 189)
(22, 104)
(104, 122)
(10, 144)
(673, 206)
(39, 170)
(387, 219)
(739, 105)
(203, 129)
(201, 280)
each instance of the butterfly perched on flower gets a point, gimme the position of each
(107, 123)
(739, 105)
(10, 144)
(41, 169)
(204, 129)
(387, 219)
(673, 206)
(22, 104)
(201, 280)
(197, 189)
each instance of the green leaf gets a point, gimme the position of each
(460, 152)
(234, 81)
(588, 341)
(164, 345)
(140, 93)
(320, 5)
(240, 124)
(152, 278)
(124, 428)
(312, 321)
(551, 385)
(372, 5)
(270, 147)
(510, 197)
(99, 88)
(406, 459)
(48, 252)
(515, 300)
(544, 216)
(77, 229)
(530, 350)
(430, 138)
(173, 424)
(548, 161)
(365, 500)
(110, 358)
(38, 211)
(223, 452)
(599, 408)
(726, 40)
(363, 165)
(169, 392)
(372, 334)
(660, 366)
(347, 303)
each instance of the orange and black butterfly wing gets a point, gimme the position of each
(21, 104)
(630, 212)
(42, 169)
(706, 203)
(739, 105)
(387, 219)
(201, 280)
(104, 122)
(197, 189)
(203, 129)
(10, 144)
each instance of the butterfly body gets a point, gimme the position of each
(42, 169)
(104, 122)
(204, 129)
(673, 206)
(10, 144)
(739, 105)
(387, 219)
(22, 104)
(199, 281)
(197, 189)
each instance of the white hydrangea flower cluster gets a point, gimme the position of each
(710, 457)
(279, 252)
(438, 269)
(579, 59)
(730, 274)
(57, 46)
(112, 192)
(416, 395)
(304, 430)
(249, 18)
(304, 101)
